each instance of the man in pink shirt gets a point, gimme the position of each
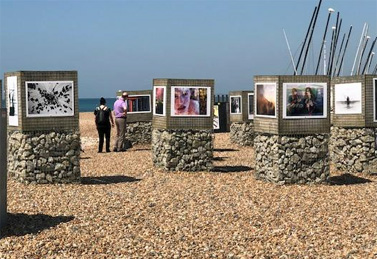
(120, 112)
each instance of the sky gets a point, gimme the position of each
(122, 45)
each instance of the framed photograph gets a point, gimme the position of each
(235, 104)
(304, 100)
(375, 99)
(265, 105)
(348, 98)
(139, 103)
(159, 100)
(250, 105)
(190, 101)
(216, 121)
(12, 100)
(49, 98)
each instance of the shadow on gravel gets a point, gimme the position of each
(220, 158)
(225, 149)
(347, 179)
(231, 169)
(108, 179)
(140, 149)
(85, 157)
(21, 224)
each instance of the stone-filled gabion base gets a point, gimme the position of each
(44, 157)
(353, 149)
(139, 132)
(292, 159)
(242, 133)
(182, 150)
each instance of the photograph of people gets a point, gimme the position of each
(310, 101)
(235, 104)
(295, 104)
(186, 101)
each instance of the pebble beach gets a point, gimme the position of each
(125, 208)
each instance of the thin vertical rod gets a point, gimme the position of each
(362, 55)
(290, 52)
(369, 55)
(311, 36)
(340, 52)
(306, 37)
(323, 42)
(358, 49)
(344, 52)
(334, 45)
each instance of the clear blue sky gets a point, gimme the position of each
(125, 44)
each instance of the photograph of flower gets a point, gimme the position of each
(304, 100)
(49, 98)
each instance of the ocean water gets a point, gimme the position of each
(89, 104)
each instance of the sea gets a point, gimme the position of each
(89, 104)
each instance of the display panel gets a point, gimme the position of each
(216, 120)
(304, 100)
(12, 100)
(265, 100)
(159, 101)
(235, 104)
(139, 103)
(250, 105)
(348, 98)
(190, 101)
(375, 98)
(49, 98)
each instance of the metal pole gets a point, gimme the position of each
(370, 62)
(306, 37)
(344, 52)
(311, 36)
(369, 54)
(358, 49)
(362, 55)
(338, 57)
(334, 45)
(323, 39)
(290, 52)
(331, 47)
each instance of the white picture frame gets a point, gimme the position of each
(163, 101)
(140, 95)
(43, 106)
(300, 86)
(274, 89)
(343, 103)
(12, 100)
(374, 99)
(232, 108)
(208, 102)
(250, 116)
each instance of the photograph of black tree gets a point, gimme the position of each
(49, 98)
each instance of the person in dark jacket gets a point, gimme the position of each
(103, 117)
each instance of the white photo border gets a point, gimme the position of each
(48, 116)
(230, 104)
(374, 99)
(250, 116)
(172, 95)
(163, 98)
(256, 95)
(361, 95)
(136, 95)
(324, 116)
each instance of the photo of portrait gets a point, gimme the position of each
(159, 100)
(304, 100)
(139, 103)
(216, 121)
(348, 98)
(266, 99)
(49, 98)
(190, 101)
(250, 104)
(235, 104)
(12, 103)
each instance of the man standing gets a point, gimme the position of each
(120, 111)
